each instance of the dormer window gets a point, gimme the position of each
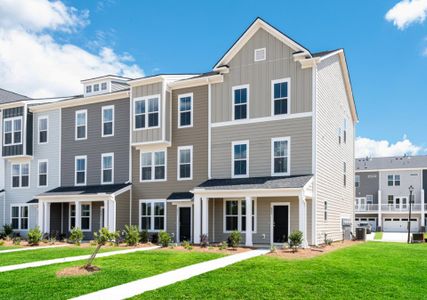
(103, 86)
(12, 131)
(96, 87)
(88, 89)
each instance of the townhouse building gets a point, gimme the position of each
(262, 144)
(382, 192)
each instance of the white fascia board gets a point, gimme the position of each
(196, 81)
(285, 192)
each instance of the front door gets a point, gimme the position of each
(184, 224)
(280, 223)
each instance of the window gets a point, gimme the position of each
(96, 87)
(185, 163)
(13, 131)
(280, 93)
(152, 215)
(259, 54)
(153, 166)
(81, 125)
(72, 216)
(42, 173)
(280, 156)
(344, 138)
(369, 199)
(397, 180)
(240, 159)
(235, 215)
(185, 110)
(339, 135)
(88, 89)
(108, 121)
(325, 213)
(19, 217)
(146, 112)
(357, 181)
(103, 86)
(80, 170)
(240, 102)
(390, 199)
(393, 180)
(20, 175)
(86, 217)
(390, 180)
(344, 173)
(43, 128)
(107, 168)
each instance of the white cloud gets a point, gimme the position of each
(406, 12)
(32, 62)
(366, 147)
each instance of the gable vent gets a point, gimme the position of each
(259, 54)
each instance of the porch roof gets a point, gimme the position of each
(180, 196)
(86, 190)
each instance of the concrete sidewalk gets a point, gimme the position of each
(70, 259)
(137, 287)
(31, 248)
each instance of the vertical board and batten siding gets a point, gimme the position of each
(331, 107)
(14, 149)
(95, 145)
(369, 185)
(243, 69)
(147, 134)
(407, 178)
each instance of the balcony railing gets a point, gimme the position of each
(366, 207)
(400, 207)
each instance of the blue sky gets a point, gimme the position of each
(388, 66)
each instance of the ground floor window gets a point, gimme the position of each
(152, 215)
(235, 215)
(19, 217)
(85, 216)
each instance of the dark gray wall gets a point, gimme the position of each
(15, 149)
(369, 185)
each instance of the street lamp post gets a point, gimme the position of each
(411, 190)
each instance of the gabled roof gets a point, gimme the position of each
(8, 96)
(86, 190)
(394, 162)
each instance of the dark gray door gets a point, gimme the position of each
(184, 224)
(280, 223)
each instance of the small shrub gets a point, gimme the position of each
(186, 244)
(234, 239)
(62, 236)
(172, 245)
(8, 230)
(273, 249)
(210, 248)
(101, 237)
(131, 235)
(76, 236)
(34, 236)
(223, 245)
(155, 238)
(143, 237)
(295, 240)
(164, 238)
(190, 248)
(52, 240)
(93, 243)
(327, 241)
(204, 242)
(2, 236)
(16, 241)
(1, 242)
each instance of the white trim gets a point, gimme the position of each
(20, 206)
(264, 50)
(12, 119)
(46, 117)
(209, 132)
(153, 166)
(20, 175)
(111, 154)
(288, 98)
(272, 205)
(178, 216)
(75, 216)
(145, 100)
(281, 139)
(77, 112)
(112, 121)
(191, 110)
(263, 119)
(240, 87)
(246, 142)
(101, 216)
(38, 172)
(178, 168)
(75, 169)
(239, 214)
(152, 202)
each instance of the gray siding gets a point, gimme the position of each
(369, 185)
(122, 210)
(425, 184)
(407, 178)
(95, 144)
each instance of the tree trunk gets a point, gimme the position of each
(92, 257)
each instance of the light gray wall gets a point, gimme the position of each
(407, 178)
(369, 185)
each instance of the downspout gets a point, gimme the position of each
(314, 155)
(130, 154)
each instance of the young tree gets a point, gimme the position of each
(102, 237)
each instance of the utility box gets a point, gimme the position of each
(361, 234)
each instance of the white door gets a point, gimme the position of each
(399, 225)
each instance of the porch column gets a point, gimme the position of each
(197, 219)
(422, 209)
(205, 215)
(302, 218)
(78, 214)
(40, 216)
(111, 215)
(106, 214)
(248, 238)
(47, 217)
(379, 211)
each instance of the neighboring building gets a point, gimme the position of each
(382, 192)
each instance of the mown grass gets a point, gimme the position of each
(378, 235)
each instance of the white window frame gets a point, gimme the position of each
(179, 178)
(357, 181)
(89, 86)
(75, 215)
(245, 142)
(152, 215)
(239, 87)
(90, 216)
(96, 87)
(111, 154)
(106, 86)
(20, 207)
(20, 175)
(344, 171)
(75, 169)
(145, 99)
(191, 110)
(259, 50)
(239, 214)
(281, 139)
(39, 131)
(75, 124)
(38, 172)
(344, 137)
(112, 121)
(153, 166)
(395, 180)
(13, 130)
(288, 109)
(70, 216)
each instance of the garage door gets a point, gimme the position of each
(372, 221)
(399, 225)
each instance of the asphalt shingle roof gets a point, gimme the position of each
(180, 196)
(86, 190)
(8, 96)
(396, 162)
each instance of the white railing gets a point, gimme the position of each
(366, 207)
(400, 207)
(425, 207)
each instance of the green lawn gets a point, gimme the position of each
(42, 283)
(367, 271)
(378, 235)
(8, 247)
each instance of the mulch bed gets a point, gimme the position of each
(77, 271)
(212, 249)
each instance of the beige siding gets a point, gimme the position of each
(331, 107)
(122, 210)
(243, 70)
(259, 136)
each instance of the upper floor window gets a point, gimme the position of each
(107, 168)
(240, 159)
(344, 137)
(240, 102)
(390, 199)
(108, 120)
(339, 135)
(96, 87)
(185, 163)
(280, 92)
(19, 217)
(13, 131)
(344, 173)
(153, 166)
(357, 181)
(42, 173)
(43, 124)
(80, 170)
(88, 89)
(152, 215)
(146, 112)
(81, 125)
(280, 156)
(393, 180)
(20, 175)
(369, 199)
(185, 110)
(103, 86)
(325, 212)
(260, 54)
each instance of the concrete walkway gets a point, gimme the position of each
(138, 287)
(70, 259)
(31, 248)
